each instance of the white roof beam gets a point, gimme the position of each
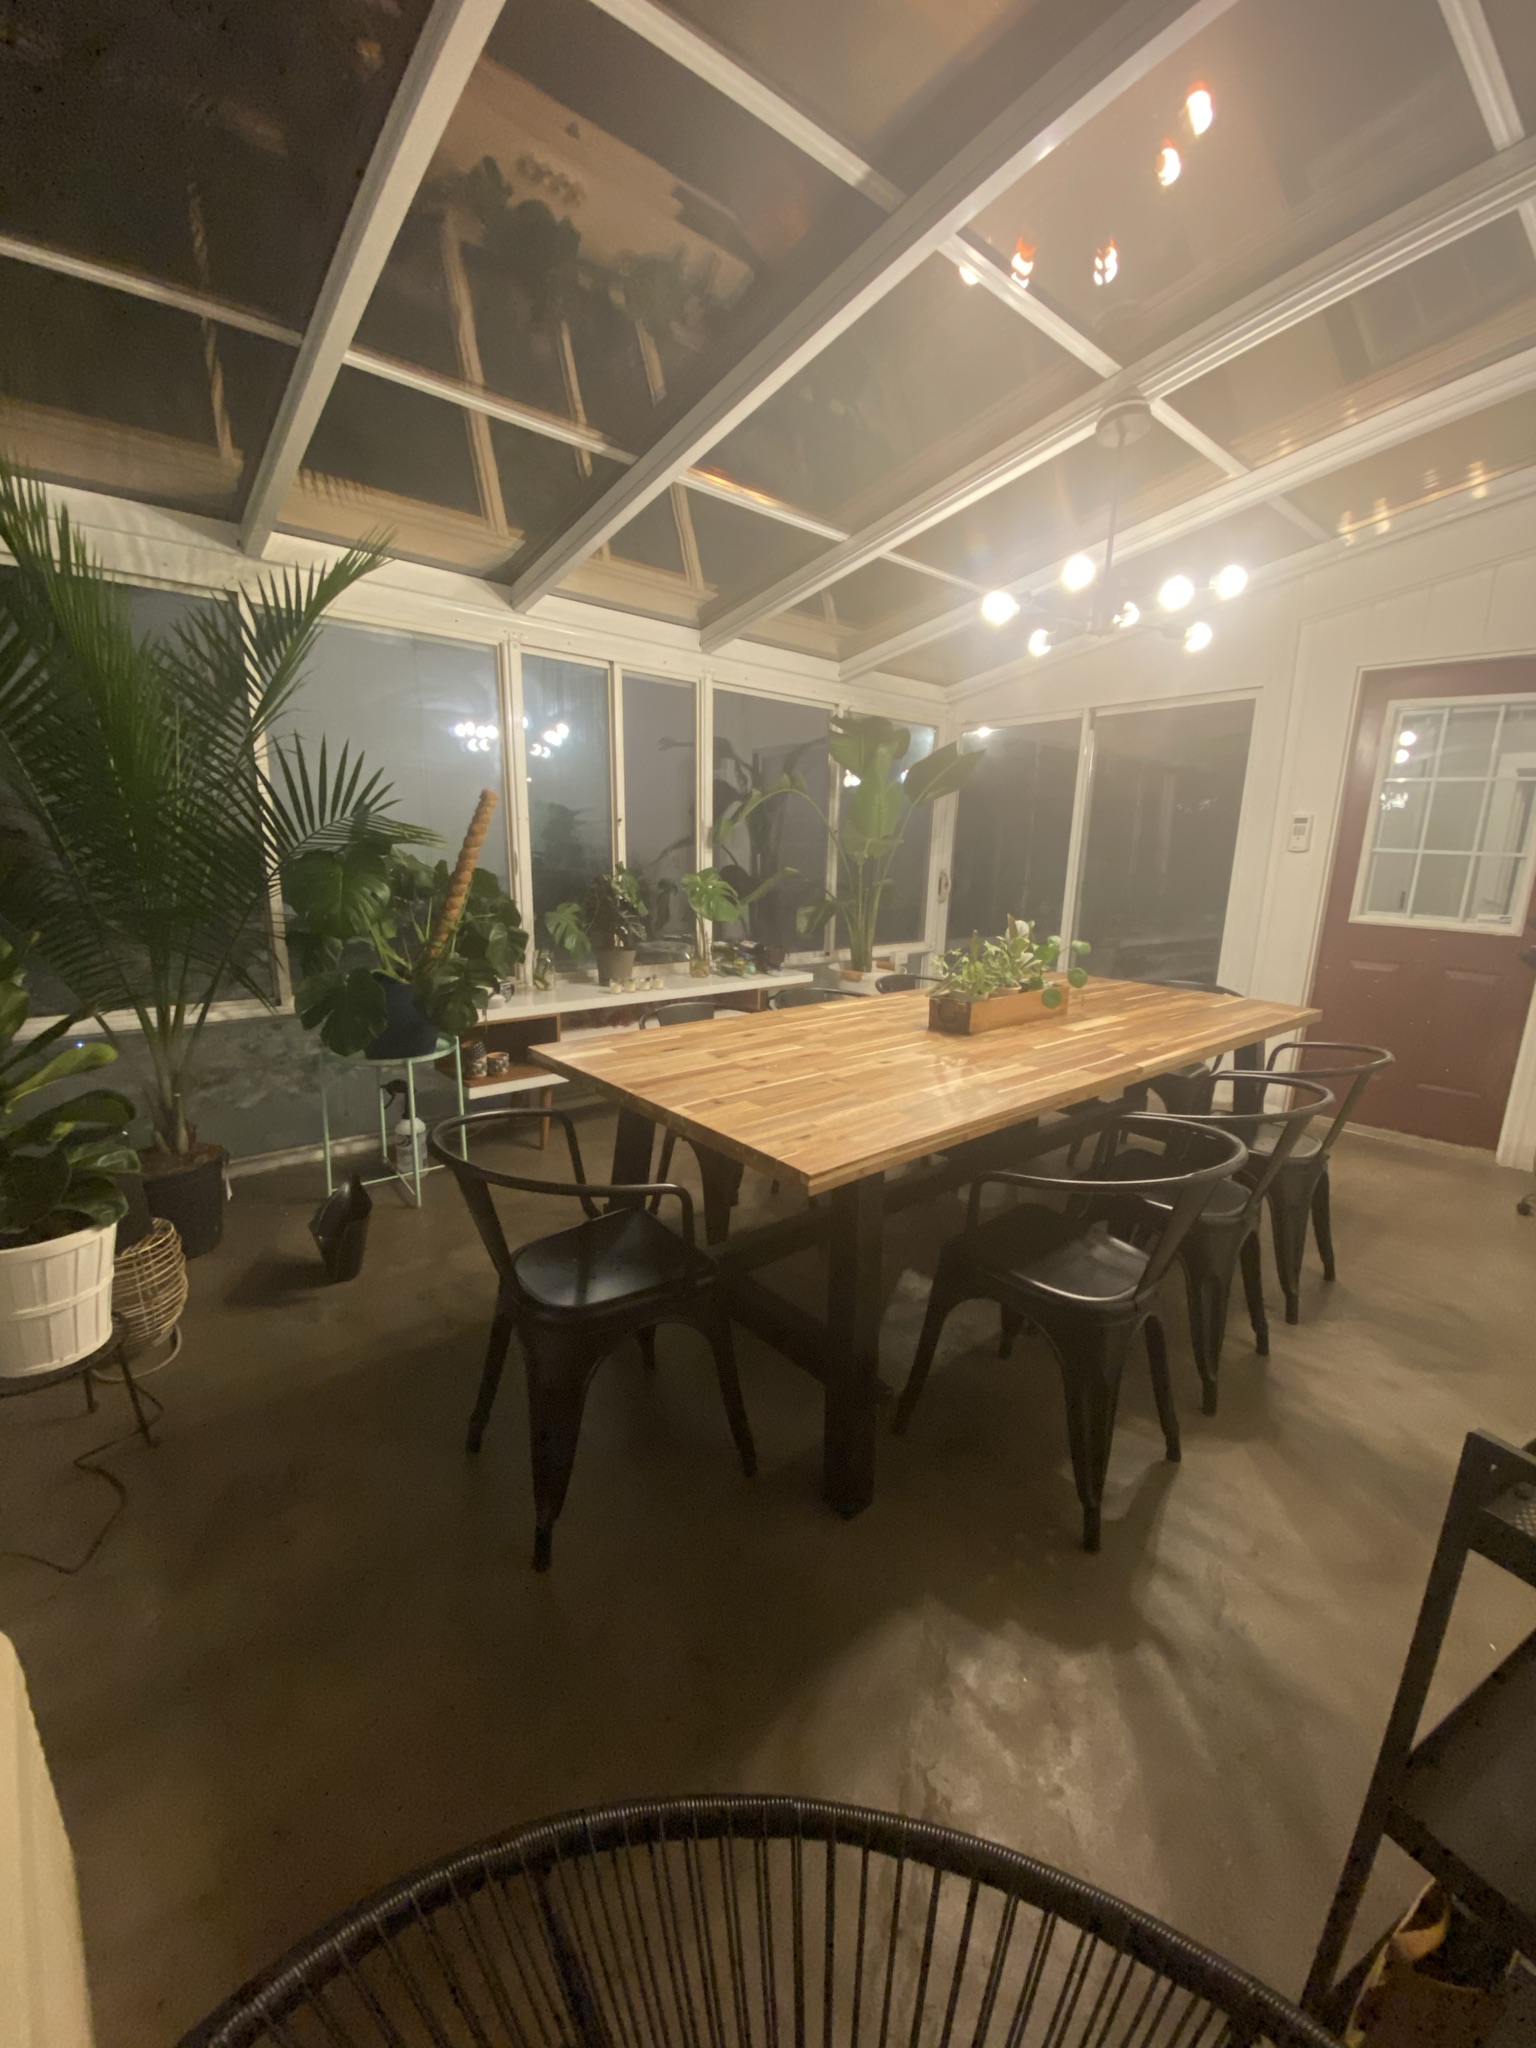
(1358, 442)
(1457, 208)
(1137, 37)
(1480, 60)
(451, 41)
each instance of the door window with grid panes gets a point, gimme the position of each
(1451, 840)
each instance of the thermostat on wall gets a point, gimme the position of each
(1300, 840)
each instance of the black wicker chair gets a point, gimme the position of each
(572, 1297)
(746, 1922)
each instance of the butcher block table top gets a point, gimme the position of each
(833, 1092)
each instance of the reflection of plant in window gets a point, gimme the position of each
(742, 808)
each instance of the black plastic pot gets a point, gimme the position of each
(408, 1034)
(191, 1197)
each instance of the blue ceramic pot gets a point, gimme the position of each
(408, 1034)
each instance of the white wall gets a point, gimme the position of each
(1451, 592)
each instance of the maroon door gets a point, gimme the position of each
(1421, 947)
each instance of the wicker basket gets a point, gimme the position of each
(149, 1287)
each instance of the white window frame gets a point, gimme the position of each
(1401, 920)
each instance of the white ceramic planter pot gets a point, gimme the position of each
(55, 1301)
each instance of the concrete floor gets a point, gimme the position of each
(312, 1655)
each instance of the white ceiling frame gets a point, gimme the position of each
(706, 60)
(1480, 60)
(138, 285)
(1137, 37)
(1514, 376)
(450, 43)
(1453, 210)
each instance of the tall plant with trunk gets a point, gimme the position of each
(143, 829)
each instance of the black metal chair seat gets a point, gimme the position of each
(1267, 1136)
(1045, 1251)
(621, 1257)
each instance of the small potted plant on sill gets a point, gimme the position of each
(60, 1198)
(609, 919)
(1012, 980)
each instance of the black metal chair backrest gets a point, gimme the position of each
(802, 998)
(1306, 1098)
(1196, 1157)
(898, 984)
(755, 1921)
(1358, 1071)
(681, 1013)
(475, 1180)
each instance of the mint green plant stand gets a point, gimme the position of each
(411, 1181)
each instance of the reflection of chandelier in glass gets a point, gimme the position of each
(1105, 611)
(475, 738)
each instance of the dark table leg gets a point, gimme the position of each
(633, 1144)
(854, 1305)
(722, 1183)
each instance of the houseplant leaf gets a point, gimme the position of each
(940, 773)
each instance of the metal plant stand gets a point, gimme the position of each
(420, 1167)
(750, 1922)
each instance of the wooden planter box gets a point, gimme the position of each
(994, 1013)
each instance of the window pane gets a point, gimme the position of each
(1441, 884)
(570, 782)
(1400, 816)
(757, 740)
(904, 906)
(1391, 879)
(1157, 864)
(1416, 744)
(1455, 812)
(1012, 829)
(1514, 32)
(424, 712)
(1493, 890)
(659, 795)
(1468, 740)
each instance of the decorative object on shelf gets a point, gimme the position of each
(1012, 980)
(1106, 608)
(610, 919)
(876, 806)
(340, 1230)
(60, 1199)
(149, 1289)
(395, 954)
(145, 865)
(543, 970)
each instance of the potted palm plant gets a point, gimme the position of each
(878, 803)
(610, 919)
(60, 1198)
(145, 831)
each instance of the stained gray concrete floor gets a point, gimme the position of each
(311, 1655)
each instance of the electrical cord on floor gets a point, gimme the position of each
(86, 1462)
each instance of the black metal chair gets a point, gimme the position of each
(1190, 1090)
(1301, 1187)
(800, 998)
(1225, 1234)
(753, 1921)
(573, 1296)
(1087, 1290)
(898, 984)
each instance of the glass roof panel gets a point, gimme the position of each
(1062, 506)
(1251, 539)
(1323, 118)
(216, 147)
(122, 395)
(654, 536)
(934, 374)
(879, 598)
(737, 547)
(1464, 306)
(1513, 23)
(1462, 459)
(597, 226)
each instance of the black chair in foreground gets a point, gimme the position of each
(1301, 1187)
(1085, 1289)
(1225, 1234)
(753, 1921)
(898, 984)
(798, 998)
(572, 1297)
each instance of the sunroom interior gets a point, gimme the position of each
(980, 560)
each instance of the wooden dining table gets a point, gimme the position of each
(829, 1099)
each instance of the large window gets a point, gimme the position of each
(904, 906)
(660, 802)
(424, 712)
(758, 740)
(570, 780)
(1162, 828)
(1013, 830)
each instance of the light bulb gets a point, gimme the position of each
(968, 275)
(1039, 642)
(1175, 593)
(850, 780)
(981, 732)
(1231, 581)
(1198, 637)
(1127, 615)
(999, 606)
(1078, 572)
(550, 736)
(1401, 756)
(1106, 264)
(562, 730)
(1169, 165)
(1407, 739)
(1022, 262)
(1201, 109)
